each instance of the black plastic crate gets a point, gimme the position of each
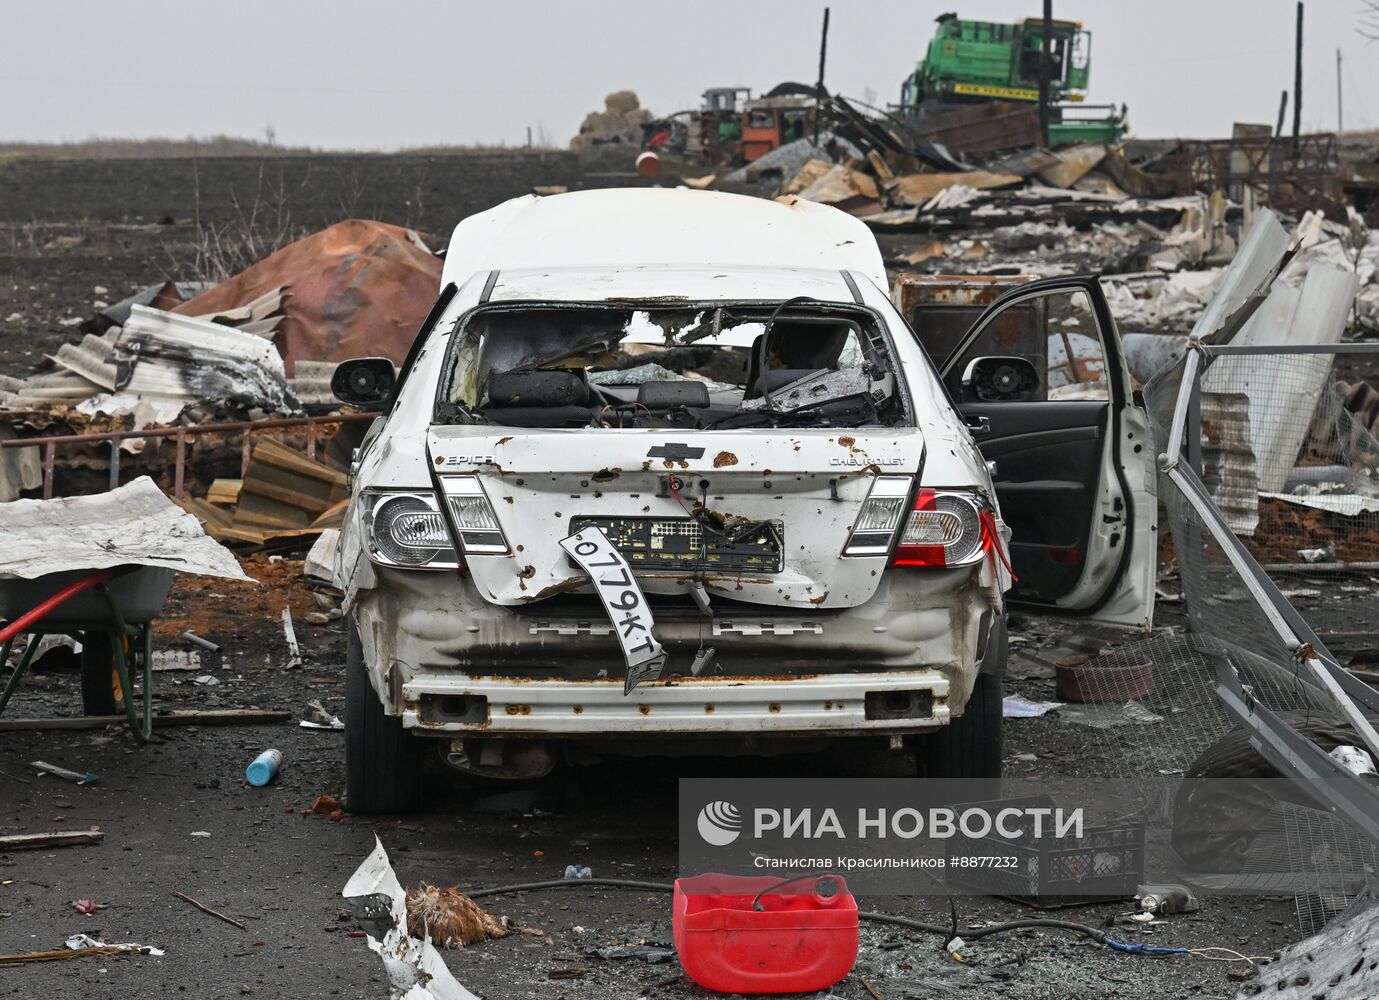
(1106, 862)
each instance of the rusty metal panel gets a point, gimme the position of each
(987, 127)
(357, 289)
(1294, 175)
(942, 307)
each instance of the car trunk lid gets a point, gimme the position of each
(761, 516)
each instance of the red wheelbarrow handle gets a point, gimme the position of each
(65, 594)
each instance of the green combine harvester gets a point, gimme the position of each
(970, 62)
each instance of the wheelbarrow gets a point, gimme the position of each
(110, 612)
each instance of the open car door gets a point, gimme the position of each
(1042, 385)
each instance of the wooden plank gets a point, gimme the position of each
(224, 491)
(278, 454)
(284, 495)
(334, 517)
(234, 533)
(53, 838)
(210, 514)
(880, 167)
(340, 447)
(916, 189)
(278, 538)
(215, 717)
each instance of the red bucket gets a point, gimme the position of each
(800, 941)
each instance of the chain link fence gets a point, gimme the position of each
(1270, 484)
(1289, 455)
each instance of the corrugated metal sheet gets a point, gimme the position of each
(1229, 470)
(356, 289)
(133, 525)
(310, 383)
(167, 355)
(90, 359)
(228, 355)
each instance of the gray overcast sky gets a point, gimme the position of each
(370, 75)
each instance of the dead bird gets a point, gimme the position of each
(451, 918)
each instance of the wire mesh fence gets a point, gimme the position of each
(1278, 479)
(1332, 859)
(1289, 455)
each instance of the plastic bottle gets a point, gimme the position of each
(263, 768)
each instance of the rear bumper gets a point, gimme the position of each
(813, 705)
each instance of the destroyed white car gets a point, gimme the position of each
(666, 472)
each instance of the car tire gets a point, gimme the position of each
(383, 762)
(101, 693)
(972, 745)
(1226, 796)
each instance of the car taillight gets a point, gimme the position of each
(943, 529)
(405, 529)
(473, 517)
(879, 517)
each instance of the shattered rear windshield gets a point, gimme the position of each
(798, 364)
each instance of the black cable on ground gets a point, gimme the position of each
(880, 918)
(1211, 953)
(972, 935)
(567, 883)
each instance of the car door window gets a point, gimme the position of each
(1057, 333)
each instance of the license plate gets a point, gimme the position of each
(622, 599)
(682, 543)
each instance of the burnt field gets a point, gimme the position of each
(68, 227)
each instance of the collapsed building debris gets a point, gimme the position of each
(156, 366)
(282, 495)
(1160, 232)
(178, 359)
(355, 289)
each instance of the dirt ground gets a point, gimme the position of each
(178, 815)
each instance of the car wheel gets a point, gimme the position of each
(101, 691)
(1227, 795)
(383, 762)
(971, 746)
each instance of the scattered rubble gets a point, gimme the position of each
(283, 495)
(80, 946)
(142, 363)
(414, 967)
(258, 347)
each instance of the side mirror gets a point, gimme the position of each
(364, 382)
(1000, 379)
